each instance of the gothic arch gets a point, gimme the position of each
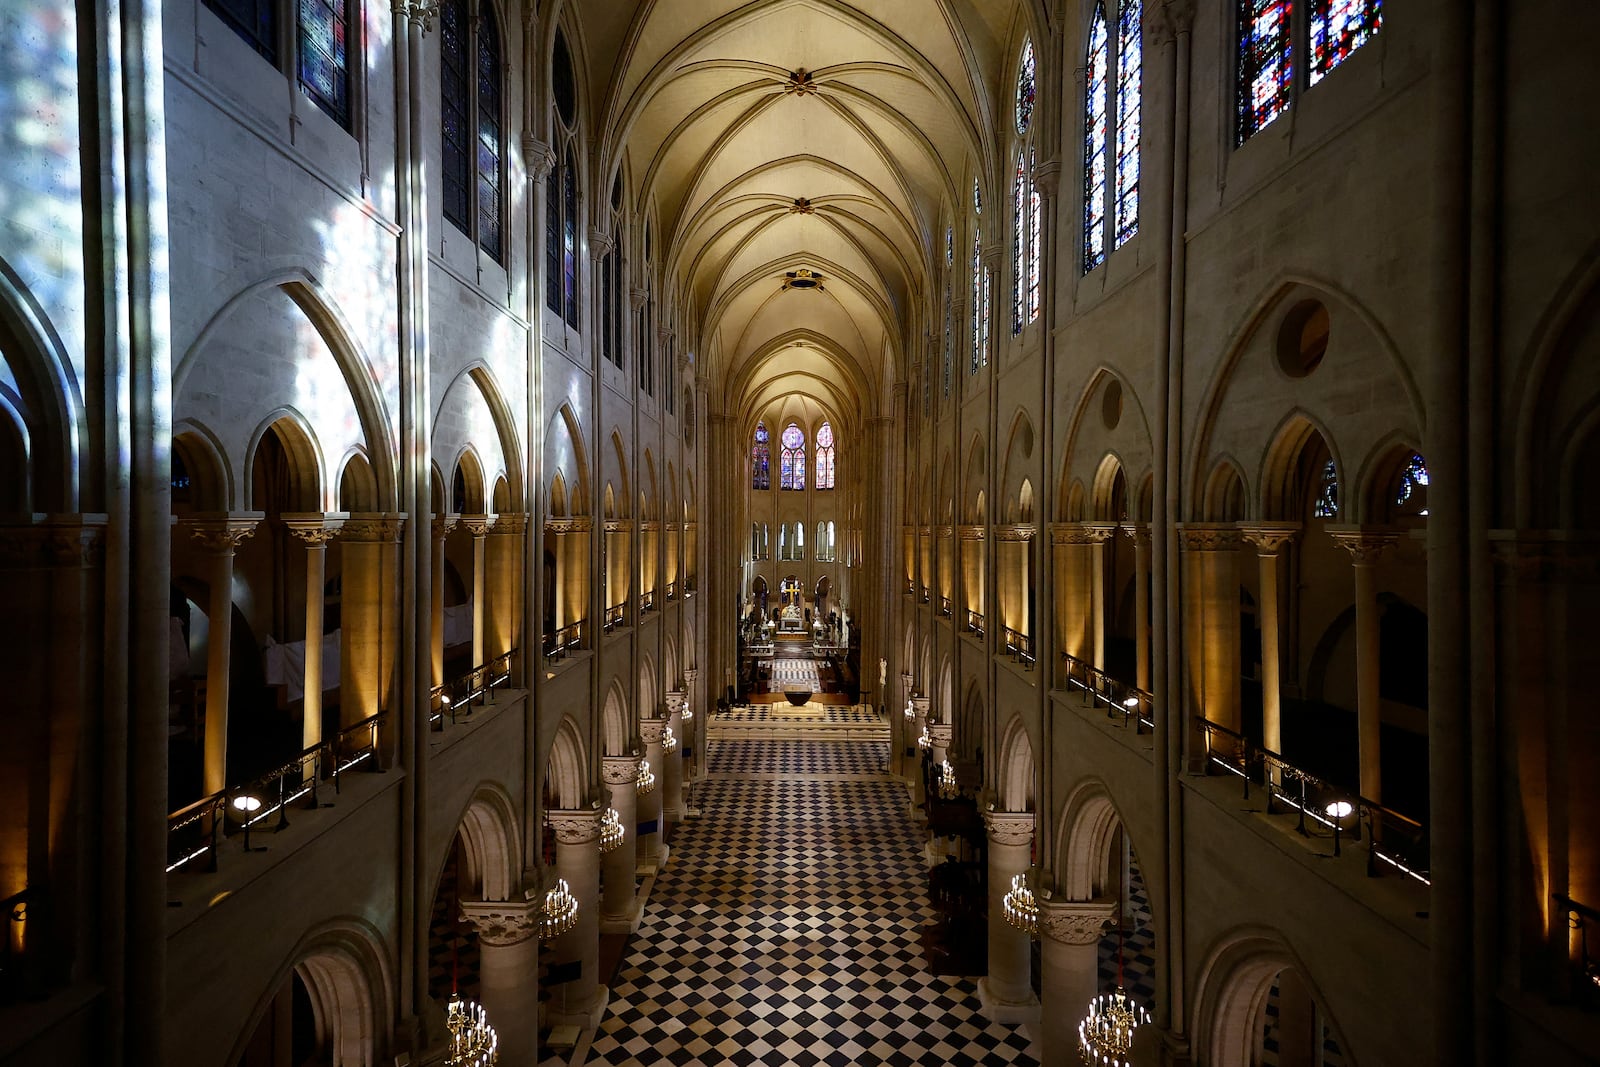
(305, 461)
(563, 445)
(615, 729)
(505, 426)
(52, 409)
(568, 763)
(1090, 821)
(1015, 771)
(491, 843)
(1231, 994)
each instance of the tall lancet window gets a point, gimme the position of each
(1025, 206)
(760, 469)
(1338, 28)
(980, 286)
(561, 194)
(825, 457)
(1130, 90)
(471, 87)
(1095, 138)
(1266, 64)
(792, 461)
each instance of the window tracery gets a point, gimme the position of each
(792, 460)
(1338, 28)
(760, 471)
(1326, 503)
(825, 466)
(473, 136)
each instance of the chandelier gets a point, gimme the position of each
(911, 712)
(560, 911)
(924, 741)
(1106, 1033)
(685, 712)
(948, 789)
(473, 1042)
(1021, 910)
(611, 831)
(646, 781)
(668, 740)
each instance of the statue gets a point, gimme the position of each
(883, 674)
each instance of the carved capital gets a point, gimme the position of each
(52, 541)
(940, 734)
(538, 157)
(1166, 19)
(314, 528)
(1017, 531)
(222, 533)
(1047, 177)
(637, 298)
(665, 333)
(972, 532)
(1365, 544)
(619, 770)
(374, 528)
(652, 731)
(502, 922)
(1100, 532)
(575, 525)
(1071, 533)
(444, 525)
(1209, 536)
(920, 706)
(479, 525)
(1270, 538)
(1073, 923)
(1009, 827)
(510, 524)
(1139, 533)
(600, 243)
(575, 827)
(690, 674)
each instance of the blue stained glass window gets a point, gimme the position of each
(552, 240)
(1338, 28)
(949, 341)
(760, 474)
(1035, 250)
(254, 20)
(983, 321)
(1026, 88)
(324, 72)
(491, 138)
(977, 302)
(569, 237)
(1412, 494)
(1094, 142)
(1019, 247)
(1266, 64)
(949, 245)
(1326, 504)
(454, 99)
(1130, 88)
(792, 474)
(825, 469)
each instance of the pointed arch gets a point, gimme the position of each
(1015, 773)
(568, 766)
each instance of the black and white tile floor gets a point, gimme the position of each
(785, 931)
(790, 758)
(763, 713)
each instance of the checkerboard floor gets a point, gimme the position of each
(832, 713)
(785, 931)
(796, 757)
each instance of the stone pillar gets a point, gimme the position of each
(503, 583)
(479, 525)
(918, 723)
(620, 907)
(508, 973)
(940, 735)
(1365, 546)
(899, 736)
(219, 536)
(1099, 535)
(652, 847)
(1211, 621)
(316, 530)
(672, 780)
(1141, 604)
(1006, 992)
(691, 730)
(368, 614)
(442, 527)
(1270, 541)
(1069, 971)
(581, 1000)
(1074, 606)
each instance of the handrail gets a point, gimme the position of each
(195, 832)
(924, 594)
(647, 601)
(1394, 839)
(16, 981)
(453, 699)
(616, 615)
(1579, 916)
(1136, 706)
(565, 641)
(1019, 646)
(672, 591)
(911, 587)
(946, 607)
(975, 622)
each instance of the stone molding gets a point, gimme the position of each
(1270, 538)
(1047, 178)
(941, 734)
(576, 524)
(600, 243)
(374, 527)
(1009, 827)
(1365, 544)
(972, 531)
(1540, 556)
(1209, 536)
(637, 298)
(54, 541)
(538, 157)
(1073, 533)
(502, 922)
(222, 533)
(445, 525)
(652, 731)
(1075, 922)
(617, 526)
(619, 770)
(1138, 532)
(511, 524)
(575, 826)
(479, 525)
(316, 529)
(1019, 531)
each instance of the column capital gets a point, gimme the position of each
(1139, 532)
(1209, 536)
(619, 770)
(510, 523)
(1076, 922)
(1364, 543)
(1166, 19)
(920, 705)
(1546, 556)
(940, 734)
(637, 298)
(444, 525)
(652, 731)
(221, 532)
(374, 527)
(600, 244)
(1047, 176)
(52, 541)
(1270, 538)
(1009, 827)
(690, 674)
(1100, 532)
(502, 922)
(575, 826)
(1072, 533)
(479, 525)
(315, 528)
(538, 157)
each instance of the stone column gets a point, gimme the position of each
(696, 706)
(1006, 993)
(479, 525)
(503, 583)
(652, 847)
(620, 907)
(672, 781)
(368, 615)
(1270, 541)
(1074, 606)
(1141, 603)
(316, 530)
(1099, 535)
(899, 736)
(580, 1000)
(918, 723)
(1069, 971)
(1365, 546)
(1211, 621)
(508, 973)
(442, 527)
(940, 735)
(219, 535)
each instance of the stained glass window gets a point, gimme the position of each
(1326, 504)
(1412, 494)
(949, 340)
(491, 138)
(1095, 109)
(1019, 246)
(977, 302)
(569, 237)
(552, 240)
(1338, 28)
(472, 132)
(825, 468)
(1025, 89)
(324, 72)
(949, 245)
(760, 473)
(792, 472)
(1035, 249)
(1266, 64)
(454, 100)
(254, 20)
(983, 321)
(1130, 87)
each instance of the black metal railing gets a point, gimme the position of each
(1135, 706)
(195, 833)
(946, 606)
(1019, 646)
(647, 602)
(616, 615)
(688, 586)
(1393, 840)
(456, 699)
(672, 591)
(565, 641)
(1585, 979)
(975, 622)
(18, 974)
(924, 594)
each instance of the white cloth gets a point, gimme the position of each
(285, 664)
(458, 624)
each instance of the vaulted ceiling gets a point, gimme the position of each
(779, 138)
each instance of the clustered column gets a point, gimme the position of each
(919, 722)
(672, 779)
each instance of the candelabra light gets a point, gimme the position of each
(611, 830)
(911, 712)
(669, 741)
(473, 1042)
(1021, 910)
(1106, 1033)
(646, 781)
(924, 741)
(560, 911)
(685, 712)
(948, 789)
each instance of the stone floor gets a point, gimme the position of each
(785, 929)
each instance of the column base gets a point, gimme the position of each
(586, 1016)
(624, 924)
(1009, 1012)
(649, 867)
